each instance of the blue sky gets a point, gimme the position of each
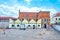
(11, 7)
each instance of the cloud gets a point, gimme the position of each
(28, 1)
(52, 11)
(8, 10)
(13, 10)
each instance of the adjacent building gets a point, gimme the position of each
(45, 17)
(4, 21)
(56, 18)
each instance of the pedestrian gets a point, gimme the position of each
(4, 30)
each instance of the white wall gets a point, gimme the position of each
(55, 18)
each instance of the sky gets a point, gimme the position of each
(12, 7)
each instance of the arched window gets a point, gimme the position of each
(38, 25)
(33, 26)
(28, 25)
(17, 25)
(59, 18)
(56, 18)
(12, 25)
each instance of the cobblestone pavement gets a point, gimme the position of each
(30, 34)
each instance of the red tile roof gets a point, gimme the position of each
(57, 14)
(5, 17)
(29, 15)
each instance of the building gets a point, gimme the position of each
(44, 17)
(27, 20)
(13, 23)
(4, 21)
(18, 23)
(56, 18)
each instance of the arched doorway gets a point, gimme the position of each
(44, 21)
(45, 25)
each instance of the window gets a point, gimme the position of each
(12, 25)
(44, 19)
(17, 25)
(33, 25)
(59, 18)
(38, 25)
(56, 18)
(28, 25)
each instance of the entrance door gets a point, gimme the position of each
(45, 26)
(44, 20)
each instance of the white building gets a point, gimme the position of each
(4, 21)
(56, 18)
(25, 23)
